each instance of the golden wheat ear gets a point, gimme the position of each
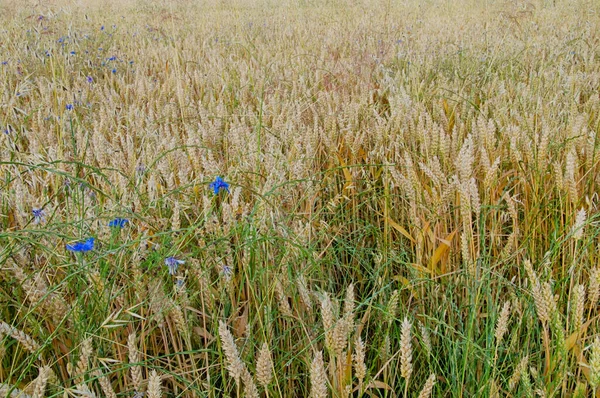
(134, 360)
(428, 387)
(264, 366)
(318, 377)
(154, 385)
(406, 367)
(595, 364)
(23, 338)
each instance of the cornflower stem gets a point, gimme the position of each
(74, 145)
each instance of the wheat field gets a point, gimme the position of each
(296, 198)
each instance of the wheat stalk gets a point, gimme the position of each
(594, 287)
(26, 341)
(41, 381)
(134, 360)
(328, 321)
(360, 369)
(154, 385)
(107, 388)
(318, 377)
(264, 366)
(11, 392)
(236, 367)
(516, 376)
(249, 385)
(428, 387)
(502, 323)
(595, 364)
(577, 307)
(406, 367)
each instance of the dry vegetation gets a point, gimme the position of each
(412, 205)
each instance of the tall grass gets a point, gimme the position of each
(411, 206)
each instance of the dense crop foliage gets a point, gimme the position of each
(293, 199)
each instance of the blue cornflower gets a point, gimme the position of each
(114, 70)
(172, 263)
(73, 53)
(82, 246)
(218, 184)
(113, 58)
(140, 169)
(180, 283)
(61, 40)
(102, 27)
(4, 62)
(90, 79)
(69, 107)
(38, 216)
(118, 222)
(227, 272)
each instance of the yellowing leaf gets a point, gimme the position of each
(380, 385)
(361, 156)
(427, 231)
(401, 229)
(376, 172)
(585, 369)
(441, 250)
(240, 324)
(348, 367)
(406, 283)
(347, 174)
(572, 339)
(202, 332)
(449, 115)
(446, 107)
(420, 268)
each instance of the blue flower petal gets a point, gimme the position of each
(82, 246)
(172, 263)
(118, 222)
(219, 184)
